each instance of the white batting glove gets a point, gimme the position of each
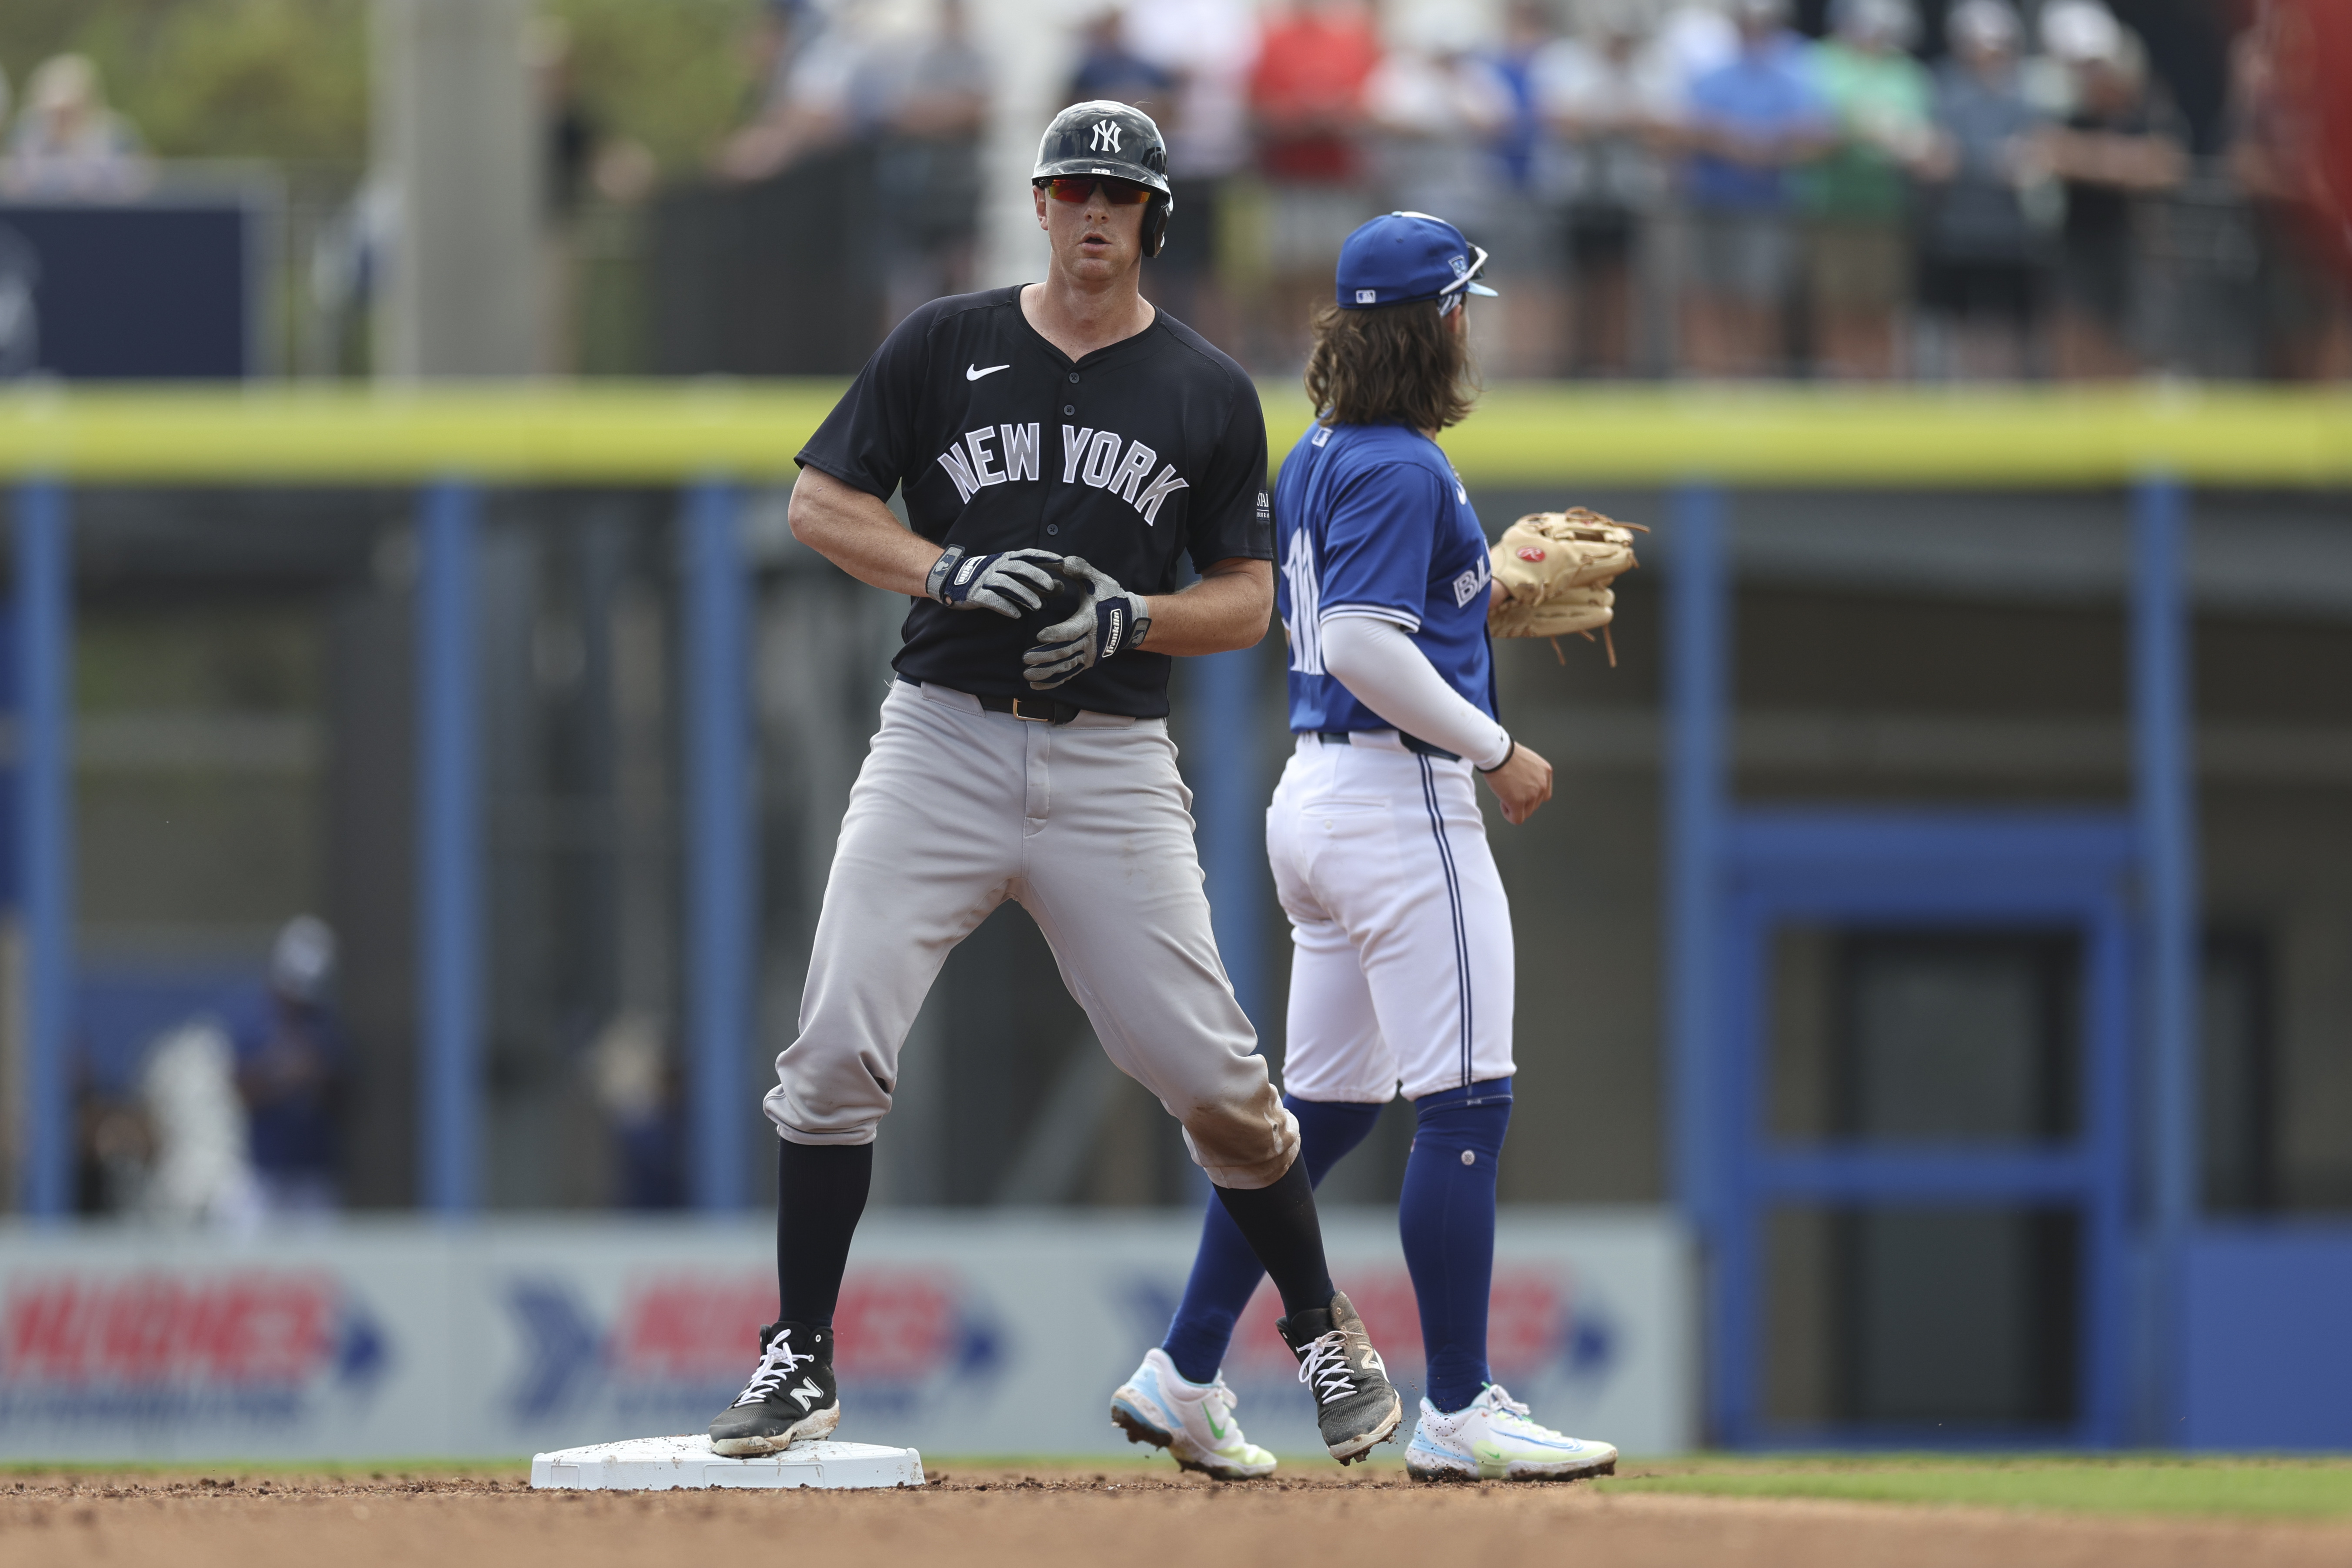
(1010, 582)
(1108, 620)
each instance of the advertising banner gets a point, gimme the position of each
(959, 1334)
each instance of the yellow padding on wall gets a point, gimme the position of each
(1523, 436)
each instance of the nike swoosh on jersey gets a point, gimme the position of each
(973, 371)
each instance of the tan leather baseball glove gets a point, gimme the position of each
(1555, 568)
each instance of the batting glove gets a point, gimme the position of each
(1108, 620)
(1010, 582)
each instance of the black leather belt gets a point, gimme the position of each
(1035, 710)
(1411, 743)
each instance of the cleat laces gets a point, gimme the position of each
(1323, 1367)
(776, 1364)
(1503, 1398)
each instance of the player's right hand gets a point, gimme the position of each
(1522, 784)
(1010, 582)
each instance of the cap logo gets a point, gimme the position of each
(1367, 295)
(1106, 136)
(1460, 264)
(1530, 552)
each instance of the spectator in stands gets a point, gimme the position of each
(804, 101)
(1608, 97)
(1857, 199)
(1693, 38)
(68, 144)
(933, 97)
(1438, 107)
(1109, 68)
(632, 1073)
(2304, 325)
(1307, 99)
(1525, 222)
(290, 1064)
(1982, 238)
(1745, 124)
(1208, 48)
(2115, 148)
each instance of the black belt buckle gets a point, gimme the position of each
(1033, 709)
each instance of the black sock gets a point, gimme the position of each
(1279, 1223)
(820, 1192)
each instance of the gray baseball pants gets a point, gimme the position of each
(1088, 827)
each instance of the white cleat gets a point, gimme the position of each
(1493, 1438)
(1194, 1421)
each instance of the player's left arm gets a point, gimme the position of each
(1229, 607)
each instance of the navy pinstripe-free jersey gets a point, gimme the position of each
(1135, 457)
(1370, 520)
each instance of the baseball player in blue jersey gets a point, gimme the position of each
(1402, 980)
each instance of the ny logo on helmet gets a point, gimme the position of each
(1106, 136)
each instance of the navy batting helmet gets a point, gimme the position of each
(1116, 140)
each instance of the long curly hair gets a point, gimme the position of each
(1389, 365)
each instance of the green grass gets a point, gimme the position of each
(2129, 1483)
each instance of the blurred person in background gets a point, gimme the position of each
(291, 1060)
(1692, 38)
(68, 144)
(1987, 206)
(2116, 147)
(1307, 103)
(1208, 46)
(1526, 223)
(1610, 99)
(933, 97)
(1857, 198)
(634, 1076)
(202, 1171)
(1437, 107)
(1745, 126)
(1109, 68)
(807, 62)
(2305, 326)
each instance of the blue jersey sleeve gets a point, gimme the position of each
(1377, 543)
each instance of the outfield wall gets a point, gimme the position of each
(995, 1333)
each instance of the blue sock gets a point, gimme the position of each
(1447, 1222)
(1225, 1272)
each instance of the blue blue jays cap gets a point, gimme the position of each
(1404, 257)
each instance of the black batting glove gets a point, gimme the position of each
(1108, 620)
(1010, 582)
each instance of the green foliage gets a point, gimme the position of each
(214, 79)
(2124, 1483)
(287, 80)
(673, 74)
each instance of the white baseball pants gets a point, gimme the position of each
(1402, 974)
(1088, 826)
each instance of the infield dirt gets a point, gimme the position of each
(1041, 1518)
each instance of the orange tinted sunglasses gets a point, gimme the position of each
(1074, 189)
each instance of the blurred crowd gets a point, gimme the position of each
(1668, 188)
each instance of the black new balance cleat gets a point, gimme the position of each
(1354, 1402)
(790, 1399)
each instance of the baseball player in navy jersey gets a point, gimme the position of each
(1061, 449)
(1401, 977)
